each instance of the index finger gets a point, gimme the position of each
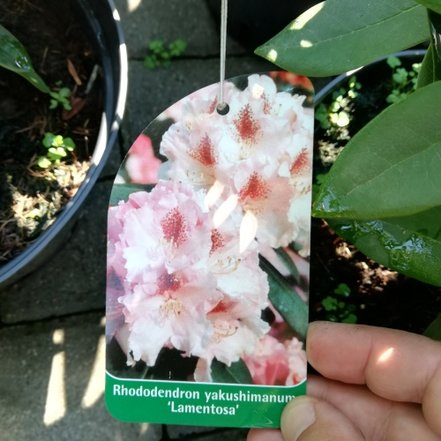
(393, 364)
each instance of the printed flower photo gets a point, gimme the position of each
(208, 238)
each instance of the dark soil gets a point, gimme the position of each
(378, 296)
(374, 295)
(30, 197)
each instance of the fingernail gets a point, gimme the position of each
(297, 417)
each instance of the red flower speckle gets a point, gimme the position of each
(205, 153)
(247, 127)
(174, 227)
(255, 188)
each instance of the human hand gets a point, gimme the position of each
(378, 384)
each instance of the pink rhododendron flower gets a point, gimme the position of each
(163, 230)
(183, 283)
(235, 321)
(236, 331)
(170, 310)
(277, 363)
(141, 163)
(257, 153)
(297, 362)
(292, 78)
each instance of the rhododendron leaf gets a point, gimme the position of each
(288, 262)
(286, 300)
(14, 57)
(410, 245)
(430, 70)
(121, 192)
(434, 329)
(236, 373)
(322, 41)
(434, 5)
(391, 167)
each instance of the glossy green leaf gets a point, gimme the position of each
(434, 329)
(286, 300)
(434, 5)
(13, 56)
(121, 192)
(237, 373)
(410, 245)
(288, 262)
(430, 69)
(339, 35)
(391, 167)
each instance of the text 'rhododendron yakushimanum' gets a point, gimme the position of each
(183, 259)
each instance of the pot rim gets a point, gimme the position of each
(324, 91)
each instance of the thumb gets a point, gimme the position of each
(309, 419)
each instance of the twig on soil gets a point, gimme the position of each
(73, 72)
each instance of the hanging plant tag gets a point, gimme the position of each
(208, 245)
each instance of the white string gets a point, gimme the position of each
(222, 106)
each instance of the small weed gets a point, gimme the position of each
(60, 97)
(334, 118)
(161, 54)
(57, 147)
(338, 310)
(336, 115)
(404, 81)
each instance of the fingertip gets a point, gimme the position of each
(297, 416)
(308, 419)
(314, 326)
(319, 328)
(431, 404)
(317, 331)
(264, 435)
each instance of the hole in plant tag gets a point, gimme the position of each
(223, 108)
(208, 245)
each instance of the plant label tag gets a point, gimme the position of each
(208, 246)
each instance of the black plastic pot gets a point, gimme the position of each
(253, 22)
(374, 78)
(379, 66)
(107, 37)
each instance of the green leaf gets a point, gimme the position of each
(342, 290)
(14, 57)
(339, 35)
(350, 318)
(288, 262)
(330, 303)
(69, 144)
(48, 139)
(121, 192)
(434, 329)
(393, 61)
(43, 162)
(286, 300)
(410, 245)
(391, 167)
(430, 69)
(237, 373)
(434, 5)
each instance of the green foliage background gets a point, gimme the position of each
(383, 192)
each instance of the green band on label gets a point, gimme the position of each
(202, 404)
